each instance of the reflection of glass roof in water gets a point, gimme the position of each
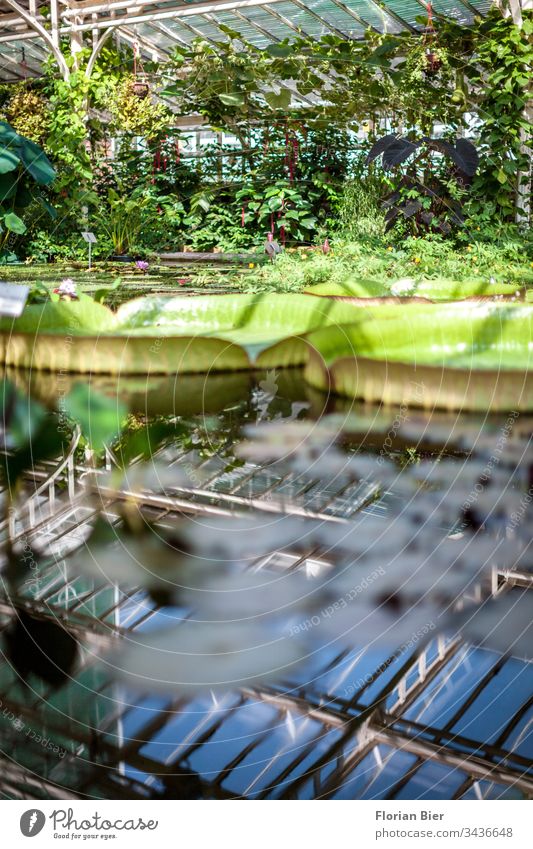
(446, 720)
(158, 27)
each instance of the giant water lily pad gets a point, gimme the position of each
(294, 350)
(161, 335)
(476, 358)
(350, 286)
(432, 290)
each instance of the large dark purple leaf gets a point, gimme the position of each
(390, 218)
(380, 146)
(441, 146)
(466, 157)
(398, 152)
(411, 208)
(392, 214)
(390, 200)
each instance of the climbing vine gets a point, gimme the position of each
(503, 75)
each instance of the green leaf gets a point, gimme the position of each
(24, 196)
(161, 335)
(173, 89)
(435, 290)
(8, 161)
(8, 136)
(44, 441)
(279, 101)
(101, 294)
(8, 186)
(274, 203)
(14, 223)
(100, 418)
(68, 318)
(231, 33)
(52, 211)
(142, 443)
(21, 416)
(232, 99)
(36, 162)
(279, 50)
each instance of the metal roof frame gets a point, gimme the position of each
(156, 24)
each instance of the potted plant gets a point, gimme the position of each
(140, 88)
(122, 222)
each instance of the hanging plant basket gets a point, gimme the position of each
(433, 62)
(140, 89)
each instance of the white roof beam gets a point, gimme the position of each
(180, 9)
(51, 41)
(170, 33)
(133, 37)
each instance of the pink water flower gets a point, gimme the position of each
(67, 288)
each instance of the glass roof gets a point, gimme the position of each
(160, 26)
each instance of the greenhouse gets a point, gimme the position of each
(266, 337)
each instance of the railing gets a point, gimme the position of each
(46, 497)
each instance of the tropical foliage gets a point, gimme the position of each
(299, 139)
(24, 168)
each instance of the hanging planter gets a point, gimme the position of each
(433, 58)
(433, 62)
(140, 89)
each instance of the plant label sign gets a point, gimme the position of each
(89, 237)
(13, 299)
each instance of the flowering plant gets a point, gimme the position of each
(67, 289)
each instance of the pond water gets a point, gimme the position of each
(187, 279)
(359, 720)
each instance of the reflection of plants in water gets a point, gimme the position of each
(242, 625)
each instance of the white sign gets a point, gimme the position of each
(12, 299)
(89, 237)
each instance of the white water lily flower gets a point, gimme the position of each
(196, 656)
(67, 287)
(404, 286)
